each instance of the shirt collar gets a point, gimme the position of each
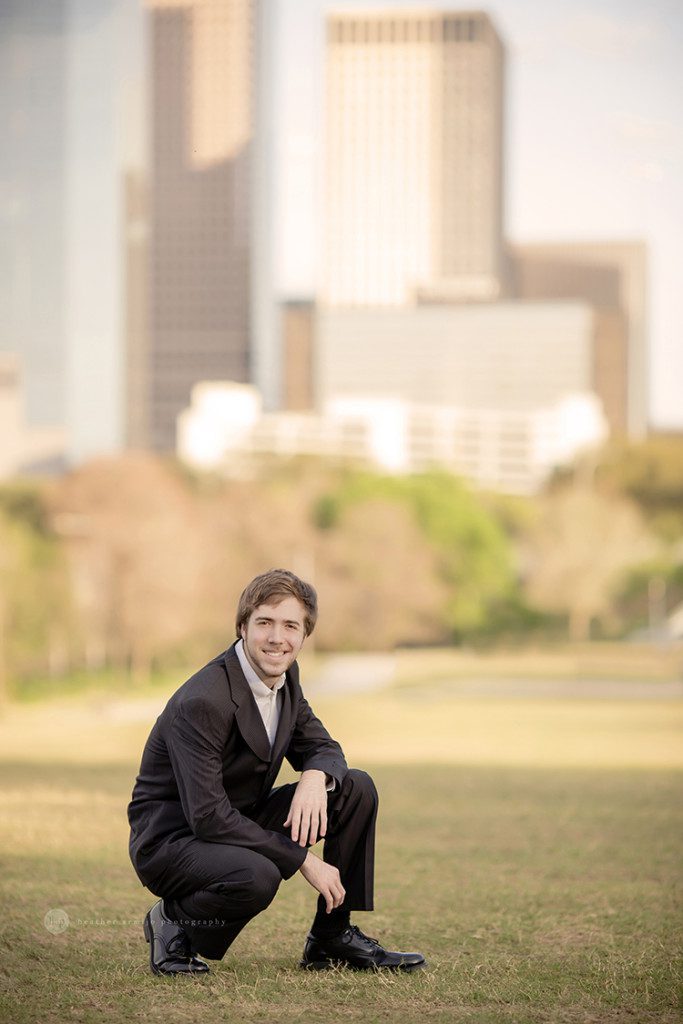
(256, 685)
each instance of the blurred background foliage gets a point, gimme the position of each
(135, 564)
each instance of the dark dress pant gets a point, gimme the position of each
(212, 890)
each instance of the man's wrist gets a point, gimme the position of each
(306, 862)
(329, 780)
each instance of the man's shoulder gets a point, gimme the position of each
(206, 687)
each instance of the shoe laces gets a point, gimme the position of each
(179, 946)
(361, 935)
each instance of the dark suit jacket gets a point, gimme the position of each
(207, 764)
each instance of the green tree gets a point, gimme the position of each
(37, 624)
(649, 473)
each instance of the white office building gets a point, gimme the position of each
(506, 356)
(226, 430)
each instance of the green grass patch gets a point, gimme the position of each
(82, 683)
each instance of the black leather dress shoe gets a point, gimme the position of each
(169, 946)
(357, 950)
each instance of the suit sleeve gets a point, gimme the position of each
(311, 745)
(194, 740)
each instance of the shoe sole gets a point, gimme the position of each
(330, 965)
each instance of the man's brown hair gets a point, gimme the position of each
(272, 587)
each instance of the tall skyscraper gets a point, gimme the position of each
(64, 68)
(103, 60)
(33, 171)
(199, 196)
(414, 176)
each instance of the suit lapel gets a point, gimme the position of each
(247, 714)
(284, 726)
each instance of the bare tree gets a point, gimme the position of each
(134, 556)
(378, 580)
(580, 544)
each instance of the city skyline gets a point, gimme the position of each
(591, 154)
(595, 161)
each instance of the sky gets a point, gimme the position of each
(594, 142)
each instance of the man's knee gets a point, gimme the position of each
(262, 885)
(361, 787)
(252, 888)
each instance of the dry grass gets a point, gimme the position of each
(531, 849)
(421, 725)
(620, 661)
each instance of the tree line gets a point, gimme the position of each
(136, 563)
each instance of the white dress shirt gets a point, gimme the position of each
(268, 700)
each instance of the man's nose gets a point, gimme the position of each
(275, 636)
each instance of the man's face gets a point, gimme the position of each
(273, 637)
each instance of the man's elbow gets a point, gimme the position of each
(213, 826)
(202, 824)
(201, 829)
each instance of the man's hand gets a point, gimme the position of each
(308, 811)
(325, 878)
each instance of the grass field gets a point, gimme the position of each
(532, 850)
